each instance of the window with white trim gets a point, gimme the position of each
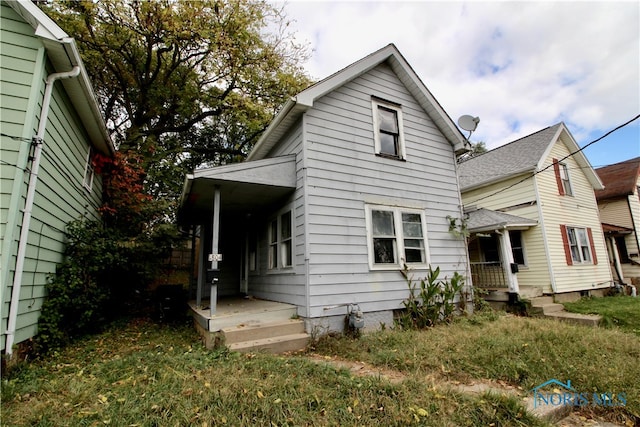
(281, 242)
(89, 172)
(396, 236)
(387, 128)
(579, 244)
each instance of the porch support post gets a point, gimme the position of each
(507, 256)
(215, 237)
(202, 274)
(613, 249)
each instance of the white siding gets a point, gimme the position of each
(344, 174)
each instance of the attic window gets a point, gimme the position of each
(387, 128)
(562, 178)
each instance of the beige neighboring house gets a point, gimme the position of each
(619, 205)
(533, 218)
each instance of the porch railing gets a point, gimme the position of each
(489, 275)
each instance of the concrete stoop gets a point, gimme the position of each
(545, 307)
(274, 337)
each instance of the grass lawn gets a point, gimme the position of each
(617, 311)
(144, 374)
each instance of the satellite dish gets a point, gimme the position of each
(468, 123)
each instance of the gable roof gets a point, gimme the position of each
(524, 155)
(63, 54)
(619, 179)
(304, 100)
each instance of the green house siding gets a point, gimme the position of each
(60, 196)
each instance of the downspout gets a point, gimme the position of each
(38, 141)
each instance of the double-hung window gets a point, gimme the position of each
(387, 127)
(281, 242)
(562, 178)
(396, 236)
(578, 245)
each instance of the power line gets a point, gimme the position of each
(534, 173)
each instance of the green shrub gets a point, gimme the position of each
(101, 273)
(432, 301)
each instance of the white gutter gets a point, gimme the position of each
(38, 140)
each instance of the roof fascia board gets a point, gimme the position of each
(267, 140)
(44, 26)
(308, 96)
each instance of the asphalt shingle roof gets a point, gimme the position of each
(485, 219)
(619, 179)
(516, 157)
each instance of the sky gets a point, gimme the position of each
(518, 66)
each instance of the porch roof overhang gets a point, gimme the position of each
(611, 229)
(483, 220)
(244, 187)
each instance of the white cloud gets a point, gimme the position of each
(520, 66)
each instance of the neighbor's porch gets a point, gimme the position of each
(495, 249)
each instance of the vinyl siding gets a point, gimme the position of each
(616, 212)
(579, 210)
(520, 200)
(60, 196)
(344, 174)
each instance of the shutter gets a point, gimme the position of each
(556, 169)
(565, 244)
(593, 247)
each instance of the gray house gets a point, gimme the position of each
(51, 125)
(353, 178)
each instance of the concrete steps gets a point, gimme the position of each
(581, 319)
(545, 307)
(271, 337)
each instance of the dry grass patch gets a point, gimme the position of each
(524, 352)
(142, 374)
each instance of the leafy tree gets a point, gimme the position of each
(183, 83)
(477, 148)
